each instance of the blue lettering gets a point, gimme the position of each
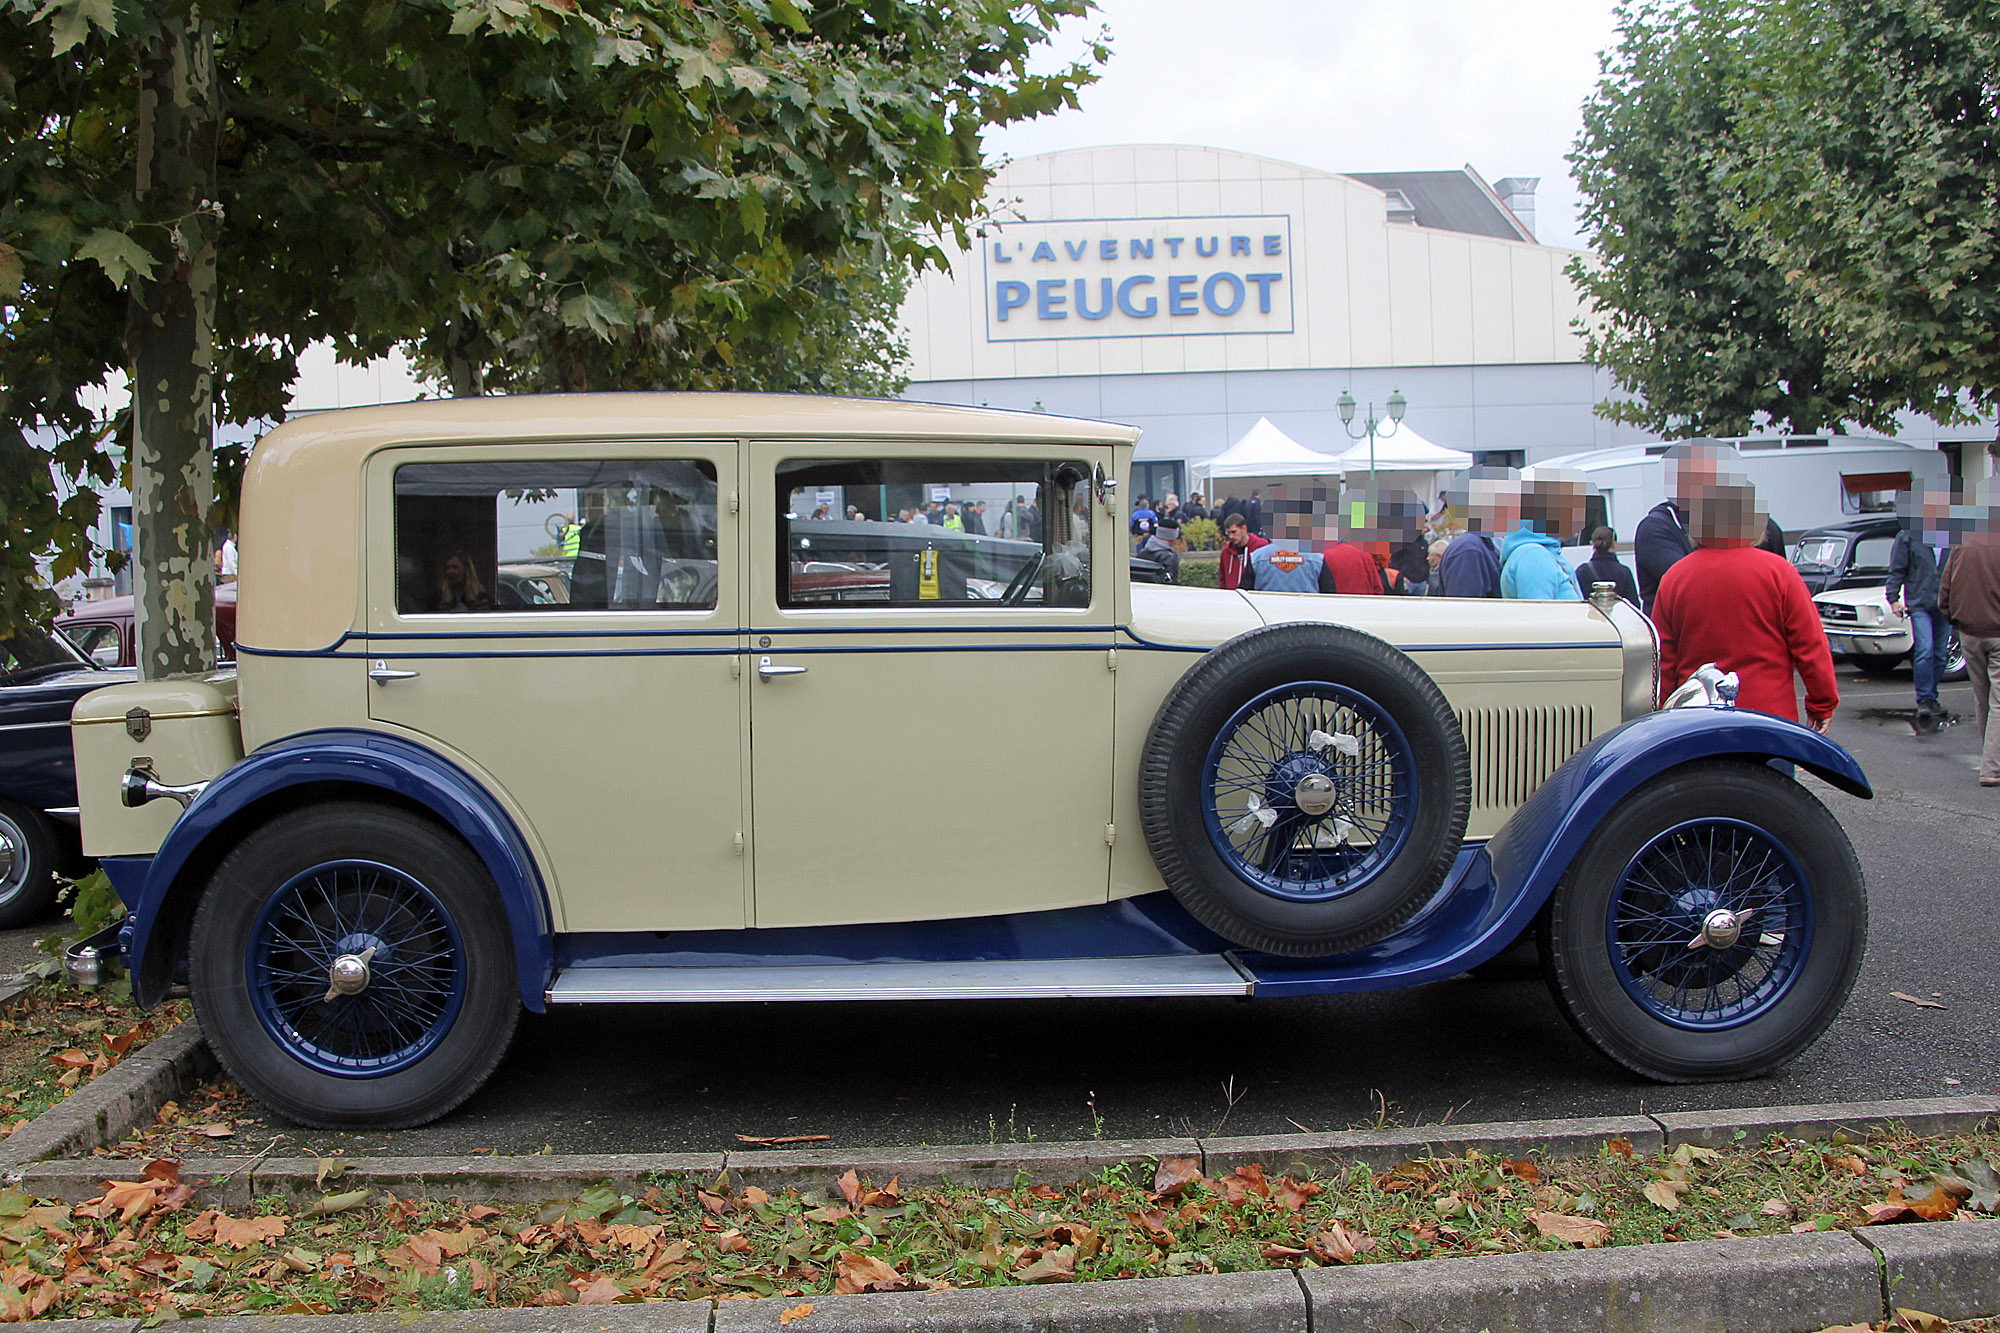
(1214, 244)
(1049, 299)
(1216, 280)
(1141, 247)
(1174, 246)
(1083, 306)
(999, 256)
(1076, 248)
(1106, 250)
(1009, 296)
(1152, 306)
(1274, 245)
(1180, 295)
(1043, 251)
(1239, 245)
(1264, 281)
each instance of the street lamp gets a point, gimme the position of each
(1372, 426)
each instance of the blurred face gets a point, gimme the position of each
(454, 571)
(1239, 534)
(1689, 476)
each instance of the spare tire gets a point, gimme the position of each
(1304, 789)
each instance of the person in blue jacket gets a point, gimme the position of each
(1531, 562)
(1490, 500)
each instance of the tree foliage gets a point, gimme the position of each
(1694, 313)
(521, 194)
(1874, 184)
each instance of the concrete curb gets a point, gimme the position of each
(1774, 1284)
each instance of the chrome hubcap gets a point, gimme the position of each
(349, 974)
(7, 853)
(1314, 794)
(1720, 929)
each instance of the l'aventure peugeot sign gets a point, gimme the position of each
(1138, 277)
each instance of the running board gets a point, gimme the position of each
(1012, 979)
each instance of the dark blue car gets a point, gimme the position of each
(41, 678)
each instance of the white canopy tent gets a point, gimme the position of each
(1263, 452)
(1407, 461)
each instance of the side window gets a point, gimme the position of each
(98, 641)
(922, 532)
(624, 535)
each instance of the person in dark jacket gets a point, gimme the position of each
(1470, 566)
(1253, 511)
(1916, 562)
(1604, 566)
(1661, 539)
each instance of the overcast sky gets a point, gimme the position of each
(1347, 86)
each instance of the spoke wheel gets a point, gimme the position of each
(323, 925)
(1304, 789)
(351, 966)
(1712, 926)
(1677, 957)
(1309, 791)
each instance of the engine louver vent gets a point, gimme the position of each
(1514, 750)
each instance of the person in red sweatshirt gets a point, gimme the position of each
(1237, 549)
(1744, 609)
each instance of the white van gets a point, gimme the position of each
(1806, 480)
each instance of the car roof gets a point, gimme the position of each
(121, 608)
(1874, 525)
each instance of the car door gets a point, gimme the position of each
(930, 708)
(612, 724)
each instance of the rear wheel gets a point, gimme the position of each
(351, 966)
(1712, 926)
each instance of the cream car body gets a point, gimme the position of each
(744, 770)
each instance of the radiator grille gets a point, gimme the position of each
(1514, 750)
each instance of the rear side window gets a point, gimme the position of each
(617, 535)
(934, 532)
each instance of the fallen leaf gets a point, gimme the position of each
(1920, 1002)
(1338, 1245)
(1917, 1321)
(1665, 1194)
(862, 1272)
(479, 1212)
(774, 1140)
(1620, 1147)
(1585, 1231)
(326, 1205)
(1292, 1195)
(1281, 1254)
(1175, 1176)
(1776, 1208)
(1688, 1154)
(1153, 1221)
(597, 1291)
(1053, 1265)
(242, 1233)
(217, 1131)
(1881, 1214)
(796, 1311)
(1523, 1169)
(733, 1242)
(1982, 1186)
(850, 1188)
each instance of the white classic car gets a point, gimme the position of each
(414, 809)
(1861, 627)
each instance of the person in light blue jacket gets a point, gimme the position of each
(1531, 563)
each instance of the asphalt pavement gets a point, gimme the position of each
(869, 1075)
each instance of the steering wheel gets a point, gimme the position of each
(1017, 590)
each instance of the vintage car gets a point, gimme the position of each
(42, 675)
(106, 633)
(410, 813)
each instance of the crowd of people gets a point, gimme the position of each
(1710, 571)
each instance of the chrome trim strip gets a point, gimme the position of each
(1060, 978)
(30, 726)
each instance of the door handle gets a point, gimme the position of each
(382, 674)
(766, 669)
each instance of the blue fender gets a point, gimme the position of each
(1494, 891)
(353, 759)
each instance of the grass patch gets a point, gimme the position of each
(150, 1248)
(55, 1038)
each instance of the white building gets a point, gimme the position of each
(1192, 291)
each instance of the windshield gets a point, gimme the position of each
(1820, 552)
(34, 649)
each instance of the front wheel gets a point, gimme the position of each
(351, 967)
(1712, 926)
(27, 866)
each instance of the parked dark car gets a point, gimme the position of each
(42, 675)
(103, 629)
(1851, 554)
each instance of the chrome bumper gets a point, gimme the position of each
(95, 959)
